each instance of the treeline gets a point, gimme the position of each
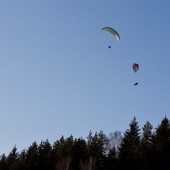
(136, 149)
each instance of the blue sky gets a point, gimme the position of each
(58, 77)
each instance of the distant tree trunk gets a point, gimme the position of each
(64, 163)
(88, 164)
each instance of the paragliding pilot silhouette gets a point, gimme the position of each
(135, 69)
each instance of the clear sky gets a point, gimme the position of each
(58, 77)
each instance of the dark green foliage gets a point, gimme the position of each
(12, 159)
(96, 150)
(149, 150)
(129, 147)
(3, 162)
(146, 146)
(64, 153)
(161, 145)
(20, 164)
(44, 155)
(146, 141)
(31, 159)
(111, 160)
(80, 153)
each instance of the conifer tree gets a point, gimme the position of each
(161, 145)
(12, 158)
(90, 162)
(65, 153)
(112, 159)
(129, 147)
(146, 146)
(80, 153)
(44, 155)
(3, 162)
(31, 160)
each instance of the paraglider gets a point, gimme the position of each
(135, 69)
(112, 31)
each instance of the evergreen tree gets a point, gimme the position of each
(65, 153)
(97, 146)
(146, 146)
(31, 160)
(112, 160)
(102, 143)
(12, 158)
(19, 163)
(147, 135)
(129, 147)
(3, 162)
(80, 153)
(44, 155)
(90, 162)
(161, 145)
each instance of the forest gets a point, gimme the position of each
(147, 148)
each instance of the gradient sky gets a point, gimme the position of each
(58, 77)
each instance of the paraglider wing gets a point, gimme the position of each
(135, 67)
(112, 31)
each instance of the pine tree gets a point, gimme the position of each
(31, 160)
(146, 146)
(44, 155)
(80, 153)
(3, 162)
(161, 145)
(92, 149)
(12, 158)
(19, 163)
(65, 153)
(129, 147)
(112, 159)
